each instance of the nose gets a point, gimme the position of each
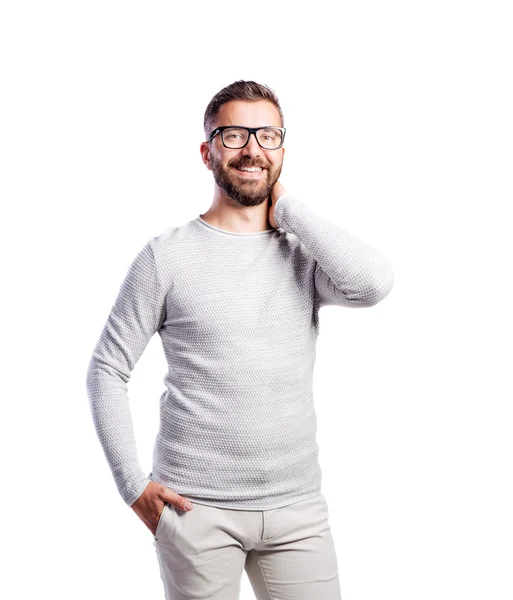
(252, 147)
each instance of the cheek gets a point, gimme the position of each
(275, 167)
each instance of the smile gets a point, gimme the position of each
(250, 171)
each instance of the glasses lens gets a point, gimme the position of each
(235, 137)
(270, 137)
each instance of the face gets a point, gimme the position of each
(247, 189)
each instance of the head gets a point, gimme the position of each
(248, 104)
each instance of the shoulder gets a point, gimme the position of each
(171, 249)
(291, 246)
(172, 237)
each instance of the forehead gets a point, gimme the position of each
(251, 114)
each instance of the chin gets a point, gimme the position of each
(245, 200)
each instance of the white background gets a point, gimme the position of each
(101, 114)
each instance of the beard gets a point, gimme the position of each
(249, 192)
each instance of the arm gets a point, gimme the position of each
(137, 313)
(348, 272)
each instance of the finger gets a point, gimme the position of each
(178, 501)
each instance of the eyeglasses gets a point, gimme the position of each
(236, 137)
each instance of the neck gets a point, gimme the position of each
(229, 215)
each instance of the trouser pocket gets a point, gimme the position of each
(161, 519)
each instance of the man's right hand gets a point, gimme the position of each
(150, 504)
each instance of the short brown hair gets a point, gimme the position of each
(239, 90)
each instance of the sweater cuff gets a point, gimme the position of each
(279, 208)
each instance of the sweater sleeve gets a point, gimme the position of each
(138, 312)
(348, 272)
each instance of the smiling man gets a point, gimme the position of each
(234, 295)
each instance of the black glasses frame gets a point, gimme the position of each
(250, 130)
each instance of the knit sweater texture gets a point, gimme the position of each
(237, 314)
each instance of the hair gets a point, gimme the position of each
(251, 91)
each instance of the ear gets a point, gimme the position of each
(205, 154)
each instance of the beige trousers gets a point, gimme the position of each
(287, 553)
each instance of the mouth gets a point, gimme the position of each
(253, 173)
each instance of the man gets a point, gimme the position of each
(234, 295)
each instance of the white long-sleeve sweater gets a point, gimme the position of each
(237, 314)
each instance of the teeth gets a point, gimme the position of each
(250, 169)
